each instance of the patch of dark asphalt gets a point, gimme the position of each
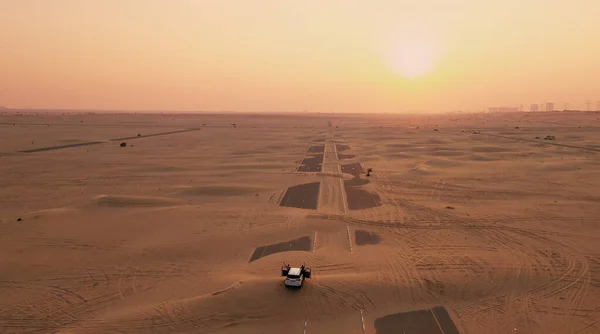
(353, 168)
(422, 321)
(359, 199)
(356, 181)
(300, 244)
(155, 134)
(444, 320)
(317, 149)
(303, 196)
(58, 147)
(312, 164)
(345, 156)
(340, 147)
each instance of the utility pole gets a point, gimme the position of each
(588, 103)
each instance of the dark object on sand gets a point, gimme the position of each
(436, 130)
(139, 135)
(450, 207)
(549, 137)
(123, 144)
(537, 137)
(19, 219)
(516, 128)
(369, 170)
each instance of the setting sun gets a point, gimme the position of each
(414, 56)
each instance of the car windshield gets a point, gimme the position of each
(293, 276)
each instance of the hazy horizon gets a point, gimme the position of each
(347, 57)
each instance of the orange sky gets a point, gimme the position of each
(318, 55)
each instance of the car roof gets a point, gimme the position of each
(294, 271)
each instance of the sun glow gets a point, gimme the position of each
(414, 55)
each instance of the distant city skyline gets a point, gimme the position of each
(534, 107)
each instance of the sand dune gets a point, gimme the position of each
(220, 190)
(491, 149)
(261, 166)
(186, 232)
(399, 156)
(442, 163)
(480, 157)
(448, 153)
(134, 201)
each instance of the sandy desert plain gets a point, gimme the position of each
(185, 231)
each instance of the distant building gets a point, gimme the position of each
(549, 106)
(534, 107)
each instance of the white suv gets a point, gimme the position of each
(295, 276)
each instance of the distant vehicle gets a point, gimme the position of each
(295, 276)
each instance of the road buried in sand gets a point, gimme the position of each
(332, 198)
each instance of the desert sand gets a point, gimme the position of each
(185, 229)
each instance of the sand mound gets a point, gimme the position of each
(416, 148)
(220, 190)
(276, 147)
(357, 181)
(384, 138)
(249, 152)
(159, 169)
(436, 141)
(253, 166)
(490, 149)
(448, 153)
(558, 167)
(479, 157)
(227, 289)
(52, 212)
(399, 156)
(135, 201)
(420, 170)
(363, 237)
(439, 163)
(391, 146)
